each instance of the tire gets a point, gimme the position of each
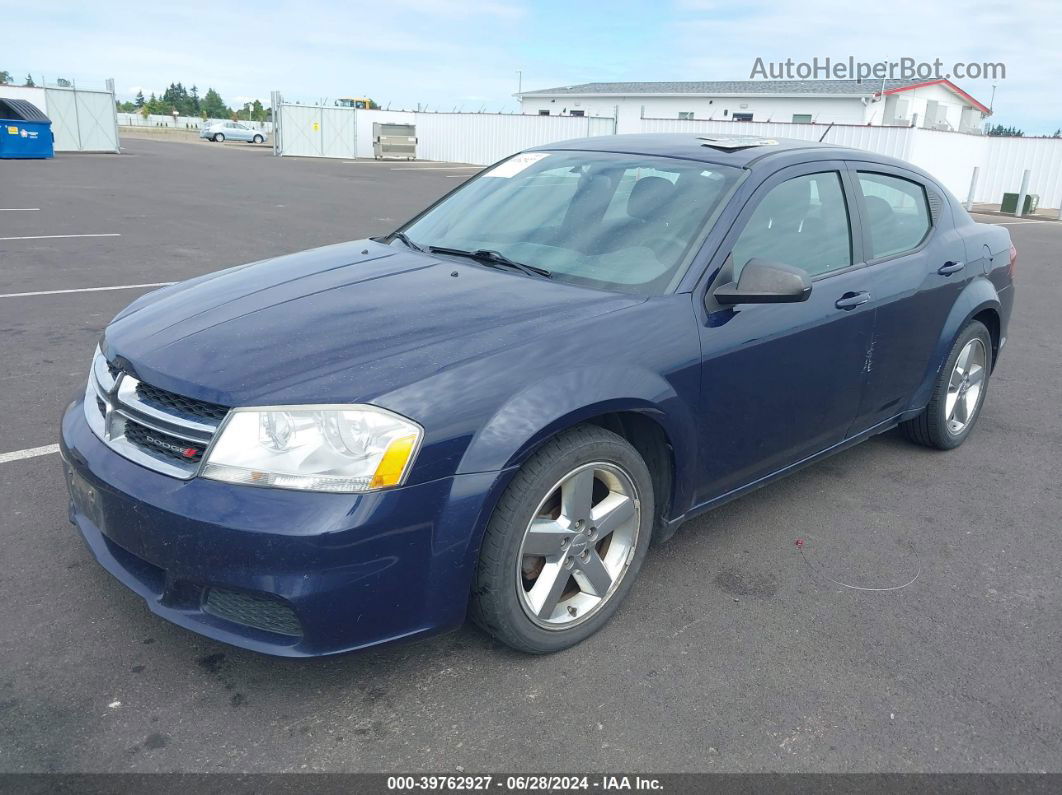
(543, 603)
(219, 138)
(958, 394)
(258, 139)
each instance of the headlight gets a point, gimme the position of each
(314, 448)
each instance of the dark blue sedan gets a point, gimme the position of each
(494, 410)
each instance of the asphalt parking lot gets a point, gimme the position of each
(737, 651)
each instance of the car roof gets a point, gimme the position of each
(740, 151)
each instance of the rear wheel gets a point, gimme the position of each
(565, 542)
(258, 139)
(958, 394)
(219, 138)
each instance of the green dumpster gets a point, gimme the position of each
(1010, 203)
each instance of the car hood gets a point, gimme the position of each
(342, 323)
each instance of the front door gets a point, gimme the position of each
(781, 382)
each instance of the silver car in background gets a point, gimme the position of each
(232, 131)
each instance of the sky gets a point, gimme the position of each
(447, 54)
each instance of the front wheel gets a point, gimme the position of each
(565, 542)
(219, 138)
(958, 394)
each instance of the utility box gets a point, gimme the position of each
(25, 132)
(1010, 203)
(394, 141)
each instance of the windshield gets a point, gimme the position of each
(615, 221)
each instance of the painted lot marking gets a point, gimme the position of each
(55, 237)
(438, 168)
(20, 209)
(29, 452)
(86, 290)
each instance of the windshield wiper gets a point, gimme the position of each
(405, 239)
(491, 257)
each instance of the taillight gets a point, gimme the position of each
(1013, 261)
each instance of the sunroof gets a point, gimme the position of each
(734, 142)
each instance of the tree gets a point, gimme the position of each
(62, 82)
(1058, 133)
(156, 105)
(257, 111)
(1012, 132)
(139, 101)
(214, 107)
(29, 81)
(193, 94)
(5, 77)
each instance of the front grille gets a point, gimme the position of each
(258, 610)
(162, 443)
(160, 430)
(179, 404)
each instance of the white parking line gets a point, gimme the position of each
(86, 290)
(54, 237)
(20, 209)
(31, 452)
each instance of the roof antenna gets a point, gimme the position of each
(823, 138)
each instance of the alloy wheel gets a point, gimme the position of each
(965, 386)
(578, 546)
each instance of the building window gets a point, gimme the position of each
(801, 118)
(742, 117)
(543, 112)
(576, 113)
(686, 115)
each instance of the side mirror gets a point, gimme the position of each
(764, 282)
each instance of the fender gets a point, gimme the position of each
(978, 295)
(543, 409)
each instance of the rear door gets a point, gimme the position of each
(916, 264)
(781, 382)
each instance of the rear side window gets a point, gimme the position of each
(897, 213)
(803, 222)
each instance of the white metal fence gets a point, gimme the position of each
(83, 120)
(180, 122)
(477, 138)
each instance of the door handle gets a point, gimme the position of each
(852, 300)
(949, 268)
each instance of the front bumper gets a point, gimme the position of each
(350, 570)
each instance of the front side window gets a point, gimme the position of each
(801, 118)
(608, 220)
(803, 222)
(897, 213)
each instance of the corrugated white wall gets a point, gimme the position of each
(1007, 158)
(948, 156)
(892, 141)
(482, 138)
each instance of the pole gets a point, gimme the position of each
(973, 188)
(1022, 193)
